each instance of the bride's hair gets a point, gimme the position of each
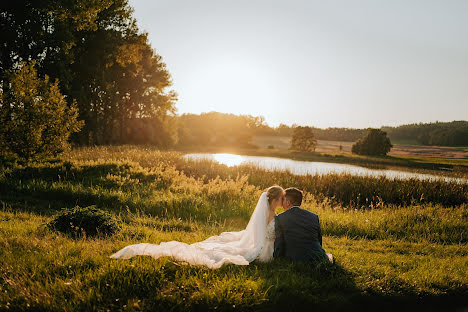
(274, 192)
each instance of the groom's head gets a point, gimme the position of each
(292, 197)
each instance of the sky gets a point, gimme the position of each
(346, 63)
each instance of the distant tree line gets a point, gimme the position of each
(227, 129)
(100, 60)
(453, 133)
(219, 129)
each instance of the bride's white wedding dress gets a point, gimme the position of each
(241, 248)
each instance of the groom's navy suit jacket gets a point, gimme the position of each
(298, 236)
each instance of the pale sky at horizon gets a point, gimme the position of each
(358, 64)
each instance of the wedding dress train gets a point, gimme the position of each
(241, 248)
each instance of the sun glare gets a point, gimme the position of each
(229, 160)
(229, 86)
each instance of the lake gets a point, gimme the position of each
(312, 167)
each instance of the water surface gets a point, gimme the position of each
(313, 167)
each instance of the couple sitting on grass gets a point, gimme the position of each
(294, 235)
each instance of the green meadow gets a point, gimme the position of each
(397, 244)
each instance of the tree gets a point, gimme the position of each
(102, 60)
(303, 139)
(375, 142)
(45, 31)
(118, 79)
(35, 119)
(284, 130)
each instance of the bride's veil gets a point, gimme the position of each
(239, 248)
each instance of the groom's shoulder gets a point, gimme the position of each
(307, 212)
(296, 210)
(284, 214)
(281, 215)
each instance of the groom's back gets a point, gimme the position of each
(299, 236)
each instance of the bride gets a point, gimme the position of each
(241, 248)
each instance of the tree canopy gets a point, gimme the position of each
(303, 139)
(101, 60)
(375, 142)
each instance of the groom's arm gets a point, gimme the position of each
(279, 240)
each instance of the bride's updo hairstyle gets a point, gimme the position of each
(274, 192)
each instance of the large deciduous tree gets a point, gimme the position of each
(303, 139)
(375, 142)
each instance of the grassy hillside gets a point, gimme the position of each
(391, 254)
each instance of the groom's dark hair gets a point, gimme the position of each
(294, 195)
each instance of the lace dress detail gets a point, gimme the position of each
(266, 254)
(270, 233)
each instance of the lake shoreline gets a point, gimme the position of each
(300, 167)
(445, 167)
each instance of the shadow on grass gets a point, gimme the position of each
(44, 190)
(94, 174)
(46, 201)
(276, 286)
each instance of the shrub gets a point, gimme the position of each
(35, 120)
(375, 142)
(89, 221)
(271, 147)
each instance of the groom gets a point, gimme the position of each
(298, 233)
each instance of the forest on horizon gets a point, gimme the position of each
(221, 129)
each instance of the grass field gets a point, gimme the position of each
(395, 254)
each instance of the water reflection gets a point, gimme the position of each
(228, 159)
(310, 167)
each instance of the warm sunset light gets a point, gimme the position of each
(215, 155)
(228, 159)
(320, 63)
(230, 85)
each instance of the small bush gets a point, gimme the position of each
(271, 147)
(89, 221)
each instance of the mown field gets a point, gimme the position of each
(406, 148)
(397, 244)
